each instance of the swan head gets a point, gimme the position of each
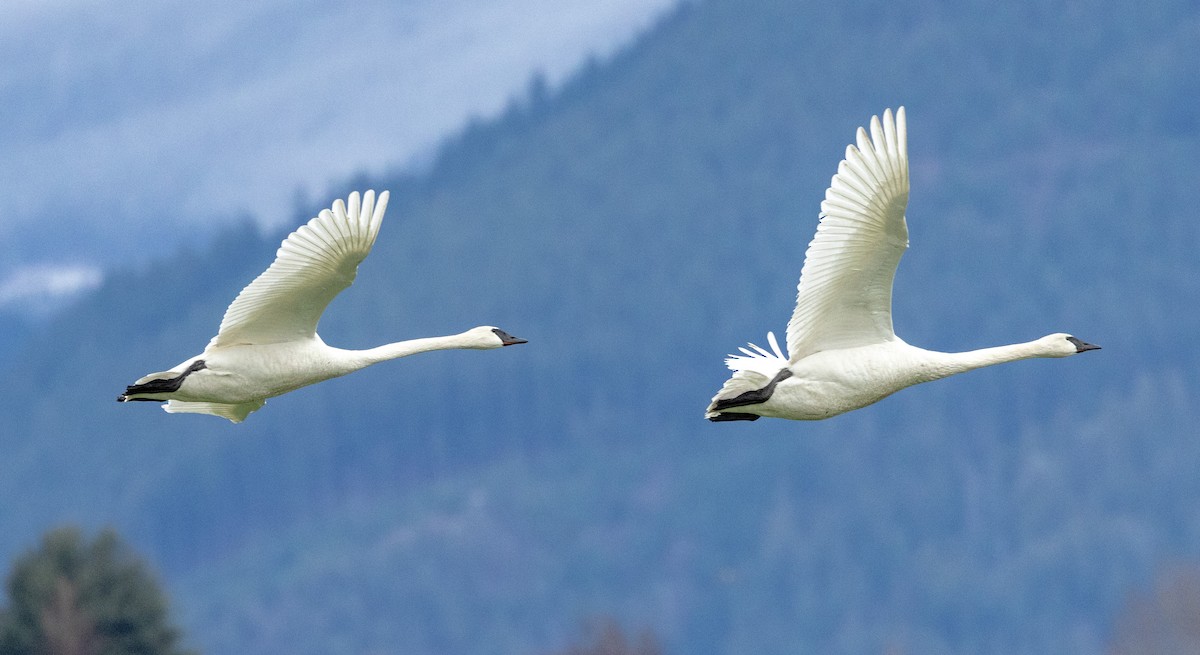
(486, 337)
(1064, 345)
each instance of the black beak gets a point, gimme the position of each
(1081, 346)
(508, 339)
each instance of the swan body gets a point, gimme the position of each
(842, 351)
(267, 344)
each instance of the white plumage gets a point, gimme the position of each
(842, 353)
(268, 345)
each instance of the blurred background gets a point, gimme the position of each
(630, 186)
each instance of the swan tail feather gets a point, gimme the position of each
(236, 413)
(758, 359)
(161, 375)
(739, 383)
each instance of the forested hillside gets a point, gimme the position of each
(635, 226)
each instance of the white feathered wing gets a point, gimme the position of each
(844, 298)
(312, 266)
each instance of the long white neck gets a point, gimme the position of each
(940, 365)
(363, 358)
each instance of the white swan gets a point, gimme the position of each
(842, 352)
(268, 345)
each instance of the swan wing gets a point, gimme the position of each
(844, 298)
(312, 266)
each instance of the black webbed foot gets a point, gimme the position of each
(733, 416)
(754, 396)
(168, 385)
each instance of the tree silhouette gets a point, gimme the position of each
(74, 597)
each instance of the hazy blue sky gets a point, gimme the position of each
(126, 128)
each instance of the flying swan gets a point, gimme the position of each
(842, 352)
(268, 345)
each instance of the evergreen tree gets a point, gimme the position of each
(75, 597)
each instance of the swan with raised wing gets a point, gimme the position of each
(842, 353)
(268, 345)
